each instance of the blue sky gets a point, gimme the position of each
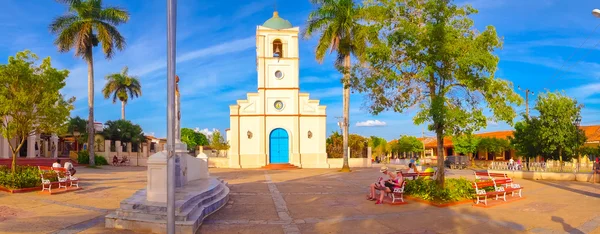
(544, 49)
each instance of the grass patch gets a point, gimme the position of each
(428, 190)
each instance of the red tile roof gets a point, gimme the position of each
(591, 132)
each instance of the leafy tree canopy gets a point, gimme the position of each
(122, 130)
(30, 99)
(430, 55)
(192, 138)
(408, 144)
(465, 143)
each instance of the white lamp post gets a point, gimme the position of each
(596, 12)
(171, 113)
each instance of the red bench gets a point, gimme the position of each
(481, 193)
(64, 178)
(416, 175)
(501, 183)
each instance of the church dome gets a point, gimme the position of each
(277, 22)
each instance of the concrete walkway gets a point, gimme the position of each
(308, 201)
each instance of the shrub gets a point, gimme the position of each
(83, 157)
(455, 190)
(25, 177)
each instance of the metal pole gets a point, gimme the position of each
(171, 115)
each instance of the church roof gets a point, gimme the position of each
(277, 22)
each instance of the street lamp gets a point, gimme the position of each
(577, 123)
(596, 12)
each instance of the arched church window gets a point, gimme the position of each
(277, 48)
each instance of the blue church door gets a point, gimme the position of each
(279, 146)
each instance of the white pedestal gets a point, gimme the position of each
(202, 165)
(157, 177)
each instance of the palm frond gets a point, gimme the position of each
(114, 15)
(62, 22)
(109, 37)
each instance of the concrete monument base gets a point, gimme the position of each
(194, 202)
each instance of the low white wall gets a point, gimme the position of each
(193, 167)
(540, 175)
(352, 162)
(218, 162)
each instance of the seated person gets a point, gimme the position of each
(412, 168)
(57, 163)
(70, 168)
(379, 185)
(390, 185)
(115, 160)
(124, 159)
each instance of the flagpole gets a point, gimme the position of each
(171, 115)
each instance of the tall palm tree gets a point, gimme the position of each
(84, 26)
(338, 22)
(122, 86)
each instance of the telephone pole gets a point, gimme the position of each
(527, 92)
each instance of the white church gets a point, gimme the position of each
(277, 124)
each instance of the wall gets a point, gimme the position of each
(352, 162)
(538, 175)
(218, 162)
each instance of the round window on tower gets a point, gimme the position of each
(279, 74)
(278, 105)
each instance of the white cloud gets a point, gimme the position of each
(149, 133)
(581, 93)
(206, 131)
(250, 9)
(371, 123)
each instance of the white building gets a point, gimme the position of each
(277, 124)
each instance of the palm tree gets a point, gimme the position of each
(84, 26)
(122, 86)
(76, 128)
(338, 22)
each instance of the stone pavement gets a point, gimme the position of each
(308, 201)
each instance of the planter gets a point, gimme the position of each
(541, 175)
(438, 204)
(21, 190)
(54, 185)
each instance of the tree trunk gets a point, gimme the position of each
(91, 132)
(560, 161)
(440, 159)
(14, 154)
(346, 109)
(122, 110)
(14, 162)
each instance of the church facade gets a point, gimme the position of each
(277, 124)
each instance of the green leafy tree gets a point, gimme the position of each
(122, 130)
(122, 86)
(431, 56)
(493, 145)
(358, 144)
(77, 127)
(334, 145)
(466, 144)
(408, 144)
(379, 146)
(526, 138)
(339, 24)
(218, 142)
(193, 139)
(557, 131)
(30, 99)
(86, 25)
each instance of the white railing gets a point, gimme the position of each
(550, 166)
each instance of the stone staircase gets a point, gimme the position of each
(285, 166)
(193, 203)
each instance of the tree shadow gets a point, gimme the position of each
(563, 187)
(566, 227)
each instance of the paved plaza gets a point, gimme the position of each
(308, 201)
